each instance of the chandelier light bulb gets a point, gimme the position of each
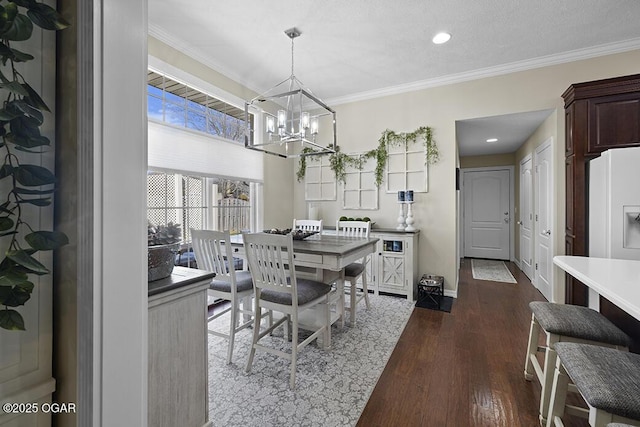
(282, 119)
(270, 124)
(304, 120)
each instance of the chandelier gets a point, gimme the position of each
(288, 120)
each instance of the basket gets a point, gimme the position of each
(161, 261)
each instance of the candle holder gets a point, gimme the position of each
(410, 221)
(401, 223)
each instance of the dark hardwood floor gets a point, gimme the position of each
(463, 368)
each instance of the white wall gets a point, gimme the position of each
(361, 123)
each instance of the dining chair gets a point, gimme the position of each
(277, 288)
(356, 270)
(214, 254)
(307, 225)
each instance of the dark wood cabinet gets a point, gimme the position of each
(599, 115)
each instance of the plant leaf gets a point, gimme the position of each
(11, 320)
(33, 176)
(7, 115)
(28, 142)
(28, 150)
(16, 296)
(28, 110)
(24, 125)
(20, 190)
(20, 29)
(6, 170)
(36, 202)
(19, 56)
(6, 223)
(46, 240)
(22, 258)
(14, 87)
(25, 3)
(46, 17)
(34, 99)
(12, 278)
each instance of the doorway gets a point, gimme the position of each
(487, 212)
(526, 216)
(543, 190)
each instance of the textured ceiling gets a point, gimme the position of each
(360, 49)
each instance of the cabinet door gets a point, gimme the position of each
(392, 273)
(614, 121)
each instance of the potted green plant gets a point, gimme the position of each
(164, 243)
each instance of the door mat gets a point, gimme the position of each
(445, 304)
(492, 270)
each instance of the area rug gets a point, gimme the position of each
(332, 387)
(492, 270)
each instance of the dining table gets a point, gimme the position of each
(323, 257)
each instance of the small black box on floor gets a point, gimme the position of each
(432, 287)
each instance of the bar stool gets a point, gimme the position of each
(562, 322)
(608, 380)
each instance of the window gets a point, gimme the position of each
(200, 202)
(176, 198)
(178, 104)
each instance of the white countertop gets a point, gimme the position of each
(617, 280)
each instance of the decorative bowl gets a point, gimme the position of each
(161, 261)
(296, 234)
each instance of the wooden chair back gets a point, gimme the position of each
(267, 255)
(353, 228)
(307, 225)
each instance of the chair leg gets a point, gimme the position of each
(365, 289)
(341, 299)
(534, 333)
(550, 359)
(294, 353)
(558, 395)
(233, 322)
(256, 335)
(353, 300)
(327, 319)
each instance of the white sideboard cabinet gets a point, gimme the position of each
(393, 268)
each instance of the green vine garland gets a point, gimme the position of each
(339, 161)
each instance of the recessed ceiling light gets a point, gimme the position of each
(441, 38)
(492, 140)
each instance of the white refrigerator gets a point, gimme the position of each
(614, 206)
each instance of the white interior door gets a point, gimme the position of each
(543, 214)
(526, 216)
(486, 214)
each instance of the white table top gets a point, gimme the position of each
(617, 280)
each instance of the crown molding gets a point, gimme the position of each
(513, 67)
